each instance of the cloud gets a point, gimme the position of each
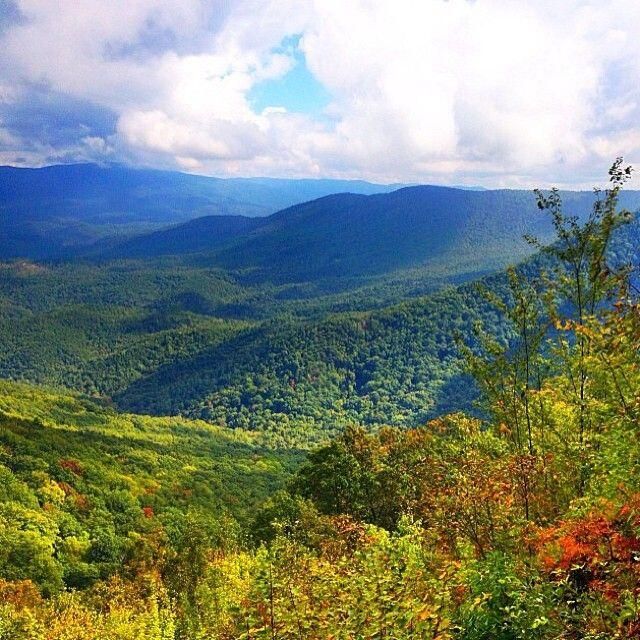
(500, 92)
(485, 88)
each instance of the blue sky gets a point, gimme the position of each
(296, 91)
(513, 93)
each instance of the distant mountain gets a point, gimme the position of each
(454, 232)
(44, 212)
(204, 234)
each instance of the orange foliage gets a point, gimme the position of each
(67, 488)
(603, 548)
(343, 534)
(71, 465)
(21, 594)
(81, 502)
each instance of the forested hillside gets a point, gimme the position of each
(396, 366)
(206, 234)
(154, 342)
(343, 239)
(344, 309)
(521, 522)
(164, 337)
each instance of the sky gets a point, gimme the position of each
(499, 93)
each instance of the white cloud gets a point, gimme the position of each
(501, 92)
(474, 88)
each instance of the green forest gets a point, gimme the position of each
(344, 310)
(457, 464)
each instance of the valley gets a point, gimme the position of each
(357, 397)
(342, 310)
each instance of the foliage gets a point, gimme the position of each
(85, 490)
(522, 522)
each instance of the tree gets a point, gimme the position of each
(583, 280)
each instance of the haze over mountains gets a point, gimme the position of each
(47, 211)
(458, 232)
(314, 232)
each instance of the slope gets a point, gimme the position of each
(399, 365)
(346, 238)
(205, 234)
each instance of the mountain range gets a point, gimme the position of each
(48, 211)
(337, 310)
(342, 236)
